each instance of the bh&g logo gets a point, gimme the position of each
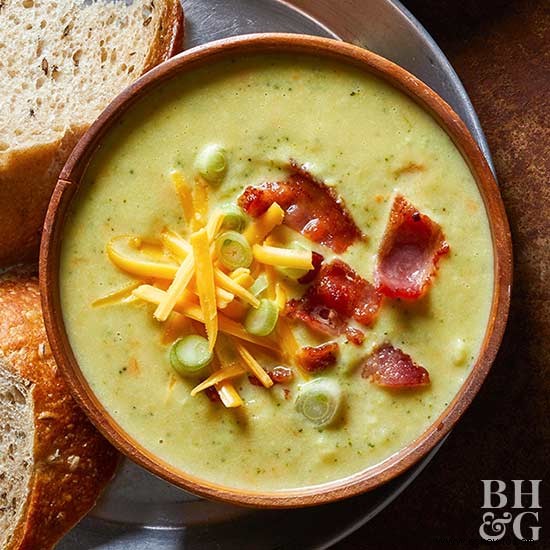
(523, 520)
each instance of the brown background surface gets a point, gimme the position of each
(501, 51)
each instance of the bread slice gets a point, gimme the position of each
(61, 62)
(53, 463)
(16, 449)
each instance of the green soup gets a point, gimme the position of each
(363, 138)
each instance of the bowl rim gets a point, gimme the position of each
(265, 43)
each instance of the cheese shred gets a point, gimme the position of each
(176, 289)
(205, 284)
(283, 257)
(230, 285)
(253, 366)
(217, 377)
(186, 307)
(200, 204)
(264, 224)
(184, 194)
(116, 296)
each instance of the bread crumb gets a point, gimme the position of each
(41, 350)
(53, 457)
(73, 461)
(46, 415)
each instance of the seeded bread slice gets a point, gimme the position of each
(53, 463)
(61, 62)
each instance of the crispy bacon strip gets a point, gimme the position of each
(392, 368)
(409, 252)
(337, 294)
(315, 315)
(311, 207)
(340, 288)
(314, 359)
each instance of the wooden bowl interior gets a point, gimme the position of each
(281, 43)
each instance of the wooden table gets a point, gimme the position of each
(501, 51)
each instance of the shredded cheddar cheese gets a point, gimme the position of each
(217, 377)
(271, 281)
(184, 194)
(223, 297)
(194, 295)
(283, 257)
(242, 277)
(200, 204)
(229, 284)
(253, 366)
(229, 395)
(117, 296)
(133, 261)
(239, 272)
(205, 284)
(214, 224)
(179, 284)
(287, 339)
(264, 225)
(280, 296)
(236, 310)
(175, 244)
(186, 307)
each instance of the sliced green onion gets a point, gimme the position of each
(262, 321)
(292, 272)
(259, 285)
(233, 250)
(190, 355)
(211, 163)
(319, 401)
(233, 218)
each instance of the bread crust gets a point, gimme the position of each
(169, 40)
(27, 179)
(73, 462)
(28, 175)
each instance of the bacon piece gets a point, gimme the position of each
(254, 381)
(316, 260)
(212, 394)
(311, 207)
(340, 288)
(256, 200)
(317, 316)
(337, 294)
(409, 252)
(314, 359)
(355, 336)
(279, 375)
(392, 368)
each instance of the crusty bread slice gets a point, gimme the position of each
(53, 463)
(61, 62)
(16, 449)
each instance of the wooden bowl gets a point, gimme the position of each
(286, 43)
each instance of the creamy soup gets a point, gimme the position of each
(350, 133)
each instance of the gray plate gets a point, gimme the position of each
(142, 512)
